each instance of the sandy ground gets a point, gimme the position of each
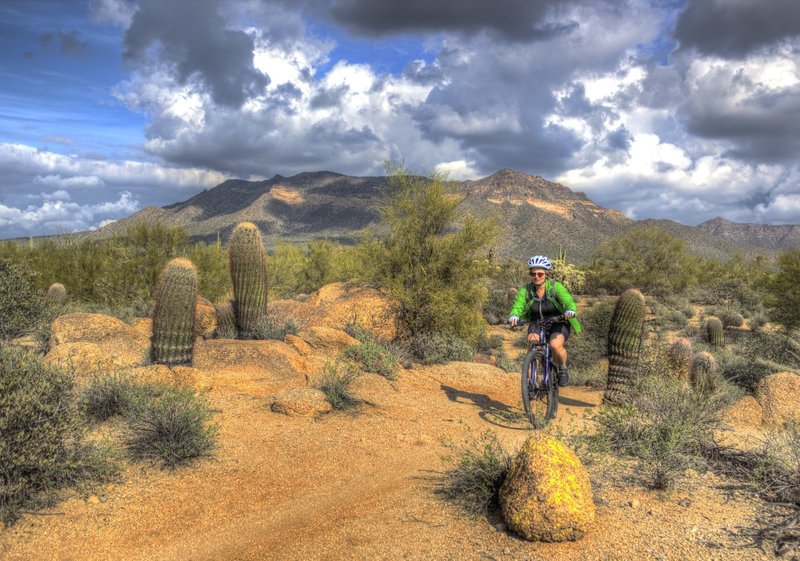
(362, 486)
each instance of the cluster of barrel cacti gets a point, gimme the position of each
(174, 313)
(624, 344)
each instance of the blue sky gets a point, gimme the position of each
(684, 110)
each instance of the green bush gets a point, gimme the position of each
(475, 474)
(173, 428)
(783, 290)
(115, 394)
(757, 355)
(22, 303)
(438, 348)
(374, 357)
(43, 445)
(273, 328)
(430, 258)
(336, 382)
(664, 426)
(504, 362)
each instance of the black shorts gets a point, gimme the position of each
(561, 327)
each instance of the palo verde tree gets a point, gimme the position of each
(430, 256)
(783, 290)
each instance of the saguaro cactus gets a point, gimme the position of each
(57, 294)
(716, 336)
(624, 344)
(174, 313)
(704, 373)
(248, 267)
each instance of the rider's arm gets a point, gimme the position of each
(519, 304)
(565, 298)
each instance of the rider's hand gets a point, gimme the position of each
(569, 314)
(513, 320)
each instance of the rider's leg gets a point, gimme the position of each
(532, 338)
(558, 350)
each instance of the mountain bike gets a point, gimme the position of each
(538, 377)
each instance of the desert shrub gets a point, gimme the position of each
(487, 344)
(476, 471)
(646, 257)
(758, 355)
(336, 382)
(664, 426)
(374, 357)
(273, 328)
(438, 348)
(757, 321)
(43, 445)
(22, 304)
(115, 394)
(173, 428)
(783, 290)
(591, 345)
(776, 476)
(568, 274)
(504, 362)
(729, 317)
(430, 258)
(593, 376)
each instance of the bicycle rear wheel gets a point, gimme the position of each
(540, 401)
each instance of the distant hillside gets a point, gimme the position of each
(538, 216)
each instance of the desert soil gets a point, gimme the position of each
(362, 486)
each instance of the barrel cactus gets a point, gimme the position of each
(174, 313)
(680, 358)
(704, 373)
(56, 294)
(248, 267)
(716, 336)
(624, 344)
(226, 320)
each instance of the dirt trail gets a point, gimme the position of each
(361, 486)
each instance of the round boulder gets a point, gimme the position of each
(745, 412)
(777, 394)
(547, 495)
(301, 402)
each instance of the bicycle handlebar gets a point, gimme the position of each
(541, 322)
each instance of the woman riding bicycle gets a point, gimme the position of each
(543, 298)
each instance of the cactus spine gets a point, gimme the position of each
(704, 374)
(716, 337)
(174, 313)
(624, 344)
(248, 268)
(57, 294)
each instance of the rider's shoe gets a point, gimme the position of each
(563, 376)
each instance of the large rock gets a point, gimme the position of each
(778, 396)
(255, 367)
(90, 343)
(547, 495)
(745, 412)
(337, 305)
(327, 338)
(301, 402)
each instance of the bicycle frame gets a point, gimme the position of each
(543, 346)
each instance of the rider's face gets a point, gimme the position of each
(538, 276)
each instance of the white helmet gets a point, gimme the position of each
(539, 262)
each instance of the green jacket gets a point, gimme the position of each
(553, 291)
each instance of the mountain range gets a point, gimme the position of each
(537, 215)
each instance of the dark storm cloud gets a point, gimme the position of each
(734, 28)
(69, 43)
(326, 98)
(513, 20)
(191, 36)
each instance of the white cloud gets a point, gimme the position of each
(56, 181)
(57, 215)
(458, 170)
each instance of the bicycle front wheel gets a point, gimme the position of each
(538, 395)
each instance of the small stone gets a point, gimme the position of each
(633, 503)
(93, 500)
(686, 503)
(500, 527)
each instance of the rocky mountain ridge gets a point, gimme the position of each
(537, 215)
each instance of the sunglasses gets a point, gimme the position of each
(537, 274)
